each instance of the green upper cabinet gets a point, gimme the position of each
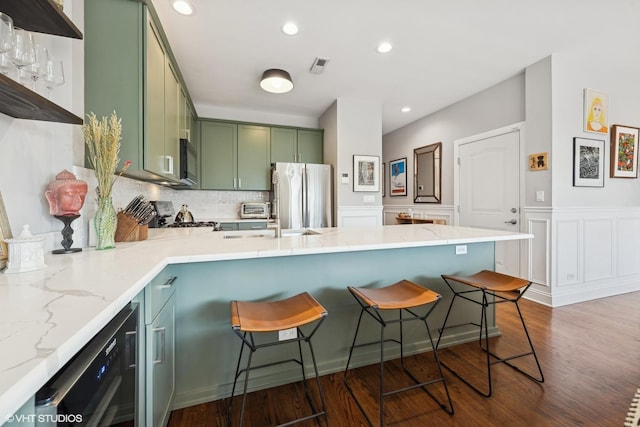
(234, 156)
(129, 69)
(154, 157)
(254, 165)
(310, 146)
(296, 145)
(284, 145)
(171, 124)
(218, 155)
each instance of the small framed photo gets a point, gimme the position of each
(588, 162)
(5, 233)
(624, 152)
(596, 111)
(366, 173)
(398, 177)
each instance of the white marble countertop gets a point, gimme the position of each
(47, 316)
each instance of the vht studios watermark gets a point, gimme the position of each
(45, 418)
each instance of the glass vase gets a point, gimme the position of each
(106, 221)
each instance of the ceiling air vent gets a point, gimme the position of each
(318, 65)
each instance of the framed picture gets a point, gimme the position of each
(383, 177)
(5, 233)
(596, 111)
(588, 162)
(398, 177)
(624, 152)
(366, 173)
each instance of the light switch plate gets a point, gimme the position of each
(539, 196)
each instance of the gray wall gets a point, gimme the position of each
(497, 106)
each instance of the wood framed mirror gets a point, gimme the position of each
(427, 173)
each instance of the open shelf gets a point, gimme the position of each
(23, 103)
(42, 16)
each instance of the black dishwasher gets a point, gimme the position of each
(98, 386)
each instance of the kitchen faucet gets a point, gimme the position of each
(275, 180)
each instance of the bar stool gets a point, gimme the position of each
(248, 318)
(404, 296)
(495, 288)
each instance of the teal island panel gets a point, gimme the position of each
(207, 349)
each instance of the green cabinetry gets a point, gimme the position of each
(296, 145)
(160, 315)
(129, 70)
(234, 156)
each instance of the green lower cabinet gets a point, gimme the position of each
(160, 351)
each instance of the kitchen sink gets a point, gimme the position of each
(270, 233)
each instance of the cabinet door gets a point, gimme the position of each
(310, 146)
(284, 142)
(154, 160)
(251, 225)
(172, 133)
(160, 365)
(253, 158)
(218, 155)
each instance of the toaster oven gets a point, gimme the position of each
(255, 210)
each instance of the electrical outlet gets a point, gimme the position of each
(288, 334)
(461, 249)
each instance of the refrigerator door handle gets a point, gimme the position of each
(305, 197)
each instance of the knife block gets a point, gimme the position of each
(128, 229)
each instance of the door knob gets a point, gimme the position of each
(511, 221)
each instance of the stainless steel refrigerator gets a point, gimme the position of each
(304, 192)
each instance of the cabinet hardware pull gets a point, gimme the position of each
(168, 283)
(130, 349)
(159, 351)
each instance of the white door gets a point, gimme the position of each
(489, 189)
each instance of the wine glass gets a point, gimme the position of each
(5, 63)
(6, 33)
(54, 75)
(23, 52)
(38, 69)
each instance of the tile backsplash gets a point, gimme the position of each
(205, 205)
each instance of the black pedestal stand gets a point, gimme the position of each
(67, 232)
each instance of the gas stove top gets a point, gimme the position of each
(212, 224)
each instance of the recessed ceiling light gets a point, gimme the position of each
(183, 7)
(384, 47)
(405, 109)
(290, 29)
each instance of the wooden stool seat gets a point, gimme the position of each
(495, 288)
(491, 281)
(275, 315)
(404, 294)
(249, 318)
(409, 299)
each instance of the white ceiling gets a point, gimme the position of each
(444, 50)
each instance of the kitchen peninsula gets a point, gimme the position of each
(47, 316)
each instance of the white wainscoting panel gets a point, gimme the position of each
(628, 238)
(539, 250)
(355, 216)
(599, 251)
(567, 251)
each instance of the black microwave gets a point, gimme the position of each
(188, 158)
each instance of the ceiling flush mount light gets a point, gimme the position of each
(405, 109)
(290, 29)
(384, 47)
(183, 7)
(276, 81)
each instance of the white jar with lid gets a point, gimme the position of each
(26, 253)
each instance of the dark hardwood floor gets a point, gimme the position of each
(589, 352)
